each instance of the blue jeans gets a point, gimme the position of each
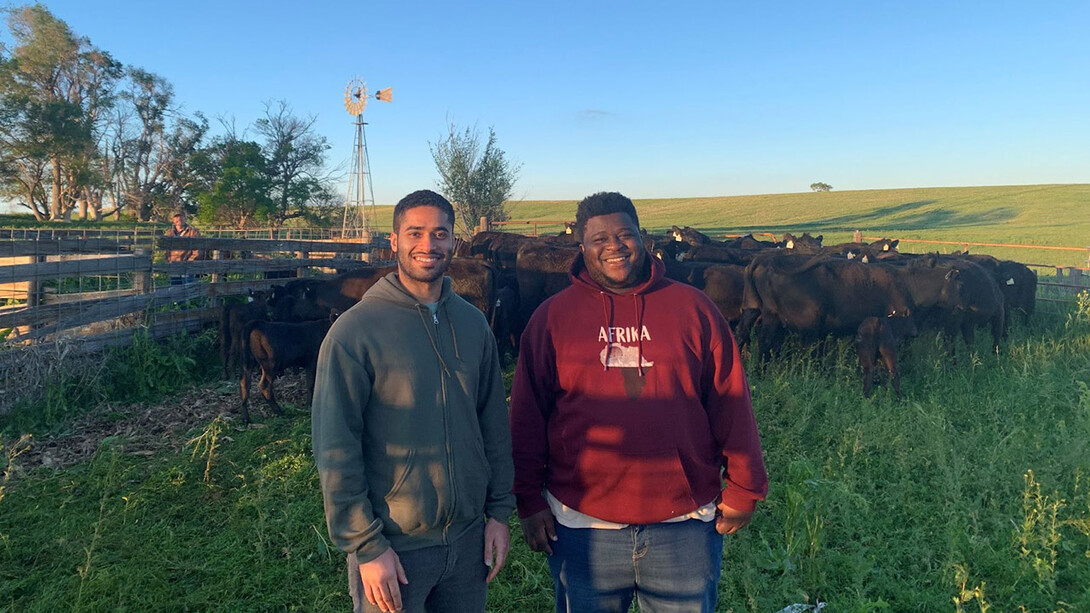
(669, 568)
(443, 579)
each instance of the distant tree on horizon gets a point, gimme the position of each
(821, 187)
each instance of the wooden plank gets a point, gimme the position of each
(260, 245)
(71, 305)
(75, 314)
(73, 268)
(191, 320)
(17, 248)
(206, 267)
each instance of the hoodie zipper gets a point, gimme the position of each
(446, 428)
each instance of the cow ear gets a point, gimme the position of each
(893, 243)
(819, 237)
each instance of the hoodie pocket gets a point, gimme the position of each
(407, 500)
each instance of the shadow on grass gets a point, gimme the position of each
(901, 217)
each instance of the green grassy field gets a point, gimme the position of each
(973, 494)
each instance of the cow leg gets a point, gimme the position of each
(999, 329)
(888, 351)
(267, 390)
(745, 326)
(244, 391)
(865, 351)
(968, 332)
(769, 338)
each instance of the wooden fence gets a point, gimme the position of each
(95, 291)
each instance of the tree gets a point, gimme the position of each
(54, 87)
(233, 183)
(821, 187)
(149, 143)
(476, 182)
(295, 159)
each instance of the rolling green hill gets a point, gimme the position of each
(1049, 215)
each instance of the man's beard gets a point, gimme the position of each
(409, 268)
(636, 277)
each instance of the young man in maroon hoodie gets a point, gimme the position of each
(634, 439)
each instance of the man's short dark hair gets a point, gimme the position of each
(178, 214)
(603, 203)
(422, 197)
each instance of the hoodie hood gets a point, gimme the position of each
(389, 288)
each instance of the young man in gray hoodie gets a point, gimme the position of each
(411, 433)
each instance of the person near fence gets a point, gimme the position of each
(410, 431)
(635, 443)
(179, 227)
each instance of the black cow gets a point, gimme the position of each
(274, 347)
(541, 270)
(723, 283)
(816, 296)
(878, 337)
(802, 244)
(498, 248)
(1016, 282)
(233, 321)
(979, 302)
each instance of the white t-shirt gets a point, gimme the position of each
(570, 518)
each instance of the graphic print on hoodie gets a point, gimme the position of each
(628, 358)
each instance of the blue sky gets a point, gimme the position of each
(652, 99)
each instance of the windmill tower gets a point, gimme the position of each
(359, 203)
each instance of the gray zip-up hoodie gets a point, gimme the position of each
(410, 426)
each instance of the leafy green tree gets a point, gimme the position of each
(295, 158)
(234, 184)
(476, 181)
(821, 187)
(54, 87)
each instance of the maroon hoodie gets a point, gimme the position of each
(632, 408)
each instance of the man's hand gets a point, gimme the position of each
(497, 541)
(729, 520)
(539, 530)
(380, 581)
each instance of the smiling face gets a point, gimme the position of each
(613, 252)
(424, 244)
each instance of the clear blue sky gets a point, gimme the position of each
(653, 99)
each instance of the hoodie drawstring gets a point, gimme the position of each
(638, 302)
(429, 326)
(453, 334)
(607, 310)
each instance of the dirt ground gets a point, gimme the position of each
(143, 429)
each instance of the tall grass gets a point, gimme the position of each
(972, 494)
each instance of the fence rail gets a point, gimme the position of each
(92, 291)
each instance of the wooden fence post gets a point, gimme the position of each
(141, 280)
(301, 271)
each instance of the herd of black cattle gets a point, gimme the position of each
(764, 289)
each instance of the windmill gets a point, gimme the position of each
(359, 203)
